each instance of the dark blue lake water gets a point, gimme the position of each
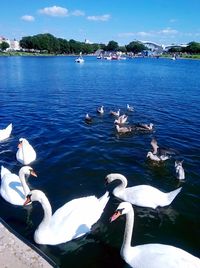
(46, 99)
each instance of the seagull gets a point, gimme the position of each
(115, 113)
(88, 119)
(123, 130)
(100, 110)
(180, 173)
(130, 108)
(160, 150)
(121, 120)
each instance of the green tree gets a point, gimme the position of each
(4, 45)
(193, 47)
(112, 46)
(135, 47)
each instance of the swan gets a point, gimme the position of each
(150, 255)
(25, 153)
(6, 132)
(14, 188)
(141, 195)
(72, 220)
(180, 173)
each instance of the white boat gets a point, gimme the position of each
(79, 59)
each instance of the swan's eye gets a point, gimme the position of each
(29, 196)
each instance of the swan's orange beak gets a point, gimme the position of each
(28, 200)
(19, 145)
(33, 173)
(115, 215)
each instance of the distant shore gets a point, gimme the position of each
(24, 54)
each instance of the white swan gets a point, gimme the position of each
(6, 132)
(150, 255)
(141, 195)
(71, 221)
(14, 188)
(25, 153)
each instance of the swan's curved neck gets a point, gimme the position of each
(128, 232)
(121, 186)
(47, 211)
(24, 184)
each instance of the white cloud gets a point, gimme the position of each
(78, 13)
(168, 31)
(173, 20)
(105, 17)
(27, 18)
(54, 11)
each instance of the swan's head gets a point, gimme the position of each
(123, 208)
(26, 171)
(114, 176)
(22, 141)
(34, 195)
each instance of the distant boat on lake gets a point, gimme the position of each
(79, 59)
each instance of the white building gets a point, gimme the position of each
(13, 44)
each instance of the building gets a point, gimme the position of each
(13, 44)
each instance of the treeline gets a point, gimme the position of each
(191, 48)
(50, 44)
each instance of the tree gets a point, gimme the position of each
(112, 46)
(4, 46)
(193, 47)
(135, 47)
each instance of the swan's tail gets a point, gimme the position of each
(171, 195)
(4, 171)
(104, 199)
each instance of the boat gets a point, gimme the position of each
(79, 59)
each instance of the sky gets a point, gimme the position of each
(164, 22)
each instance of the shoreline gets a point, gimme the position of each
(19, 253)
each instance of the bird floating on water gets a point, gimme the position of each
(117, 114)
(6, 132)
(100, 110)
(129, 108)
(180, 173)
(121, 120)
(25, 153)
(141, 195)
(88, 119)
(74, 219)
(150, 255)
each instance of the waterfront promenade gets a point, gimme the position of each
(16, 253)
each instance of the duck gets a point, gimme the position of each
(150, 255)
(74, 219)
(141, 195)
(6, 132)
(129, 108)
(25, 153)
(123, 130)
(88, 119)
(14, 188)
(180, 173)
(100, 110)
(117, 114)
(121, 120)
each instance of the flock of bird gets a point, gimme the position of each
(76, 217)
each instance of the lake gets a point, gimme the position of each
(47, 98)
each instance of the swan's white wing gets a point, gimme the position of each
(74, 219)
(12, 190)
(159, 255)
(5, 133)
(144, 195)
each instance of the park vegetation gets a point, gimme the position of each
(48, 44)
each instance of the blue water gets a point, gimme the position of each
(46, 99)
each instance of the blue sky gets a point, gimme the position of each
(161, 21)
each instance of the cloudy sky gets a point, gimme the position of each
(160, 21)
